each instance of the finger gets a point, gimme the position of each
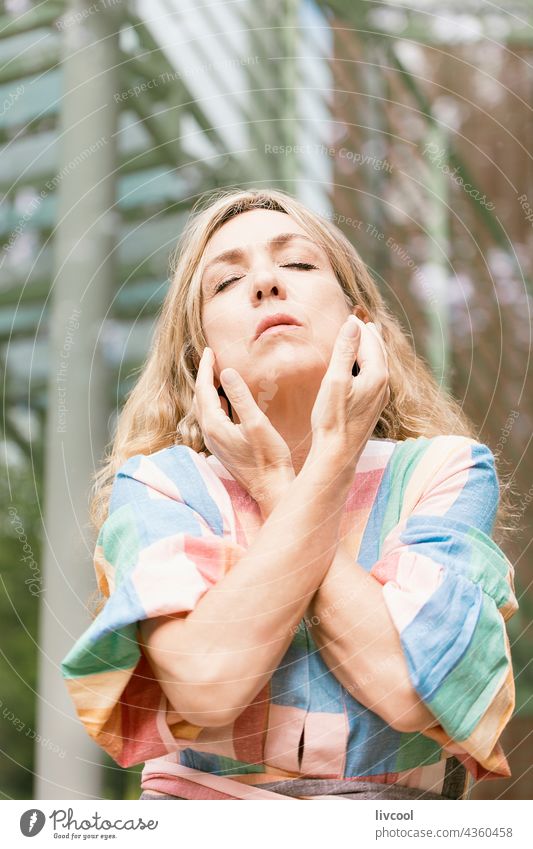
(207, 400)
(345, 348)
(240, 397)
(371, 355)
(371, 326)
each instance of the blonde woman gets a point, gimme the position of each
(302, 592)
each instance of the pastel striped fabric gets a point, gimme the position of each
(420, 514)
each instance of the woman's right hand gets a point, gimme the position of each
(252, 451)
(347, 408)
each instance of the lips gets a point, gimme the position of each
(273, 320)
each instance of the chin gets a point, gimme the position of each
(287, 367)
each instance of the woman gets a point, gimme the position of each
(303, 595)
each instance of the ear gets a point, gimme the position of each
(362, 313)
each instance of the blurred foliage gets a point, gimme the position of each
(19, 611)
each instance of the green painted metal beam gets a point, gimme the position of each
(42, 15)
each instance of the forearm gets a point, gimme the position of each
(352, 627)
(234, 639)
(367, 659)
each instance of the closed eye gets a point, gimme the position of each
(303, 266)
(225, 283)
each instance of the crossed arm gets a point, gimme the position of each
(352, 628)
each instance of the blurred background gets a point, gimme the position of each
(409, 125)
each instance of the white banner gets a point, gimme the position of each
(359, 825)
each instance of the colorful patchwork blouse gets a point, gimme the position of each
(419, 515)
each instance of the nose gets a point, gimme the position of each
(265, 283)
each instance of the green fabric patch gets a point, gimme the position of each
(488, 567)
(120, 540)
(401, 466)
(467, 691)
(117, 650)
(236, 767)
(417, 750)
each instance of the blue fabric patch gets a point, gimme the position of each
(477, 502)
(176, 463)
(122, 608)
(289, 684)
(370, 544)
(160, 519)
(439, 635)
(120, 494)
(373, 745)
(459, 548)
(204, 761)
(442, 539)
(325, 692)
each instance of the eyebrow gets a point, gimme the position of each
(278, 241)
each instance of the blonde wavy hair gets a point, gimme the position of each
(157, 412)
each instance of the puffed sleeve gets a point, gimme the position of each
(169, 536)
(449, 590)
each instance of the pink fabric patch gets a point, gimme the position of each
(249, 729)
(417, 578)
(447, 482)
(430, 777)
(363, 490)
(210, 554)
(376, 455)
(166, 564)
(158, 483)
(285, 725)
(139, 707)
(241, 500)
(385, 570)
(218, 741)
(325, 742)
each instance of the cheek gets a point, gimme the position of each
(326, 343)
(217, 325)
(323, 296)
(326, 330)
(225, 335)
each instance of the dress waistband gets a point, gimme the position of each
(195, 784)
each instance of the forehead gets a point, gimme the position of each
(252, 227)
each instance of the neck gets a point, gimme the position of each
(289, 412)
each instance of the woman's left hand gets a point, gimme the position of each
(252, 451)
